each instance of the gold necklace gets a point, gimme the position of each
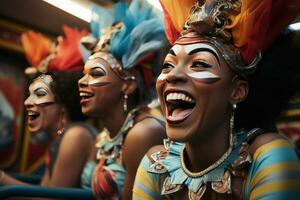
(211, 167)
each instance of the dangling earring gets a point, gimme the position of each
(62, 125)
(125, 102)
(232, 118)
(60, 131)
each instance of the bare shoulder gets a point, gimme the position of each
(144, 135)
(147, 128)
(264, 139)
(76, 136)
(77, 132)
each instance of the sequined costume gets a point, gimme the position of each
(273, 174)
(128, 37)
(109, 173)
(240, 30)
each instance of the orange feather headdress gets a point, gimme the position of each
(250, 26)
(45, 55)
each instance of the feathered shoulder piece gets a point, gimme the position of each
(249, 25)
(129, 32)
(45, 55)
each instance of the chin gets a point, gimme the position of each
(91, 112)
(34, 130)
(188, 131)
(178, 134)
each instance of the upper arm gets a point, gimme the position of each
(140, 138)
(73, 153)
(146, 185)
(275, 171)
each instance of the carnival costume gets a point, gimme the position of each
(240, 31)
(46, 57)
(128, 37)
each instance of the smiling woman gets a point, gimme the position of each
(209, 70)
(118, 83)
(53, 107)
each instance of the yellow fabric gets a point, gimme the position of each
(269, 146)
(178, 10)
(274, 187)
(272, 170)
(144, 178)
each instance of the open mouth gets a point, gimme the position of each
(32, 115)
(85, 96)
(179, 106)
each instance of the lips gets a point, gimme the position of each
(32, 117)
(179, 106)
(85, 96)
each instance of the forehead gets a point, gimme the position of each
(188, 48)
(38, 83)
(96, 62)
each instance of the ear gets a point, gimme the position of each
(129, 86)
(239, 92)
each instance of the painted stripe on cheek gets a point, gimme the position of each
(98, 83)
(161, 77)
(204, 77)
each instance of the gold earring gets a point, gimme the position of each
(62, 123)
(232, 118)
(125, 102)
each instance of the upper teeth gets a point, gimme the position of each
(179, 96)
(84, 94)
(32, 113)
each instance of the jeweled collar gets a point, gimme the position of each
(168, 162)
(110, 147)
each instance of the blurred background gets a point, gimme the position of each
(19, 151)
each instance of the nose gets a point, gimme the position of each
(176, 75)
(28, 102)
(83, 82)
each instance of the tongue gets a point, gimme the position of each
(180, 113)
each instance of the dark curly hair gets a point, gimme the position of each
(65, 89)
(276, 80)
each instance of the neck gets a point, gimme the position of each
(206, 151)
(114, 120)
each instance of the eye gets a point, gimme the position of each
(167, 66)
(201, 64)
(98, 72)
(41, 93)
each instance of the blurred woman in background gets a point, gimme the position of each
(118, 83)
(53, 107)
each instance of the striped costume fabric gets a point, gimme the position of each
(274, 174)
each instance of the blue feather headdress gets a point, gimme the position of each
(129, 36)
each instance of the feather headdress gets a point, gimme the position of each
(45, 55)
(240, 28)
(128, 37)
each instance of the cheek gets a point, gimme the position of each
(206, 77)
(109, 93)
(159, 87)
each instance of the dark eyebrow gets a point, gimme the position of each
(97, 67)
(39, 89)
(172, 52)
(205, 49)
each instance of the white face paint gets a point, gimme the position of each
(97, 83)
(189, 48)
(40, 93)
(203, 75)
(161, 77)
